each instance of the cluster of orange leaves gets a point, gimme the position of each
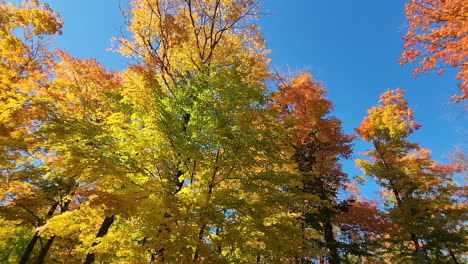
(438, 33)
(304, 108)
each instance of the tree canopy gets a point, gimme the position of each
(197, 152)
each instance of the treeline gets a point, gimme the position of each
(185, 157)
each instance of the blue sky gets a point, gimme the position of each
(351, 46)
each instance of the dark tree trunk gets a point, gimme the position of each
(49, 242)
(453, 256)
(331, 243)
(44, 250)
(419, 251)
(90, 257)
(29, 248)
(200, 239)
(32, 242)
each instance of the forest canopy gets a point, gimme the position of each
(199, 152)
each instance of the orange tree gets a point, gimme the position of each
(438, 34)
(316, 142)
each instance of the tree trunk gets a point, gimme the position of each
(453, 257)
(90, 257)
(418, 249)
(44, 250)
(32, 243)
(47, 246)
(331, 243)
(200, 238)
(29, 248)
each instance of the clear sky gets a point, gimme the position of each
(351, 46)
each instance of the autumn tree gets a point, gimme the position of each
(316, 143)
(366, 231)
(423, 197)
(364, 228)
(76, 144)
(181, 153)
(25, 65)
(185, 157)
(437, 36)
(68, 157)
(203, 169)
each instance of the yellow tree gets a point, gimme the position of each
(71, 150)
(24, 64)
(24, 71)
(200, 144)
(76, 146)
(181, 153)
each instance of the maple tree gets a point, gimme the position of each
(423, 198)
(24, 69)
(438, 34)
(64, 155)
(200, 154)
(317, 142)
(201, 144)
(25, 65)
(75, 147)
(367, 231)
